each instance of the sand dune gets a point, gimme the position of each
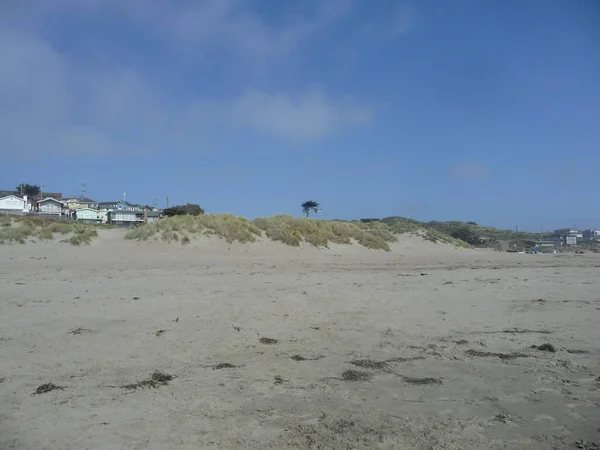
(268, 346)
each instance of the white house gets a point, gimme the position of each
(14, 204)
(88, 215)
(50, 207)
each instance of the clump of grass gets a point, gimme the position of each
(373, 242)
(436, 236)
(20, 229)
(82, 236)
(319, 233)
(227, 226)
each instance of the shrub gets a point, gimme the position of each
(181, 210)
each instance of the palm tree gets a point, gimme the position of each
(310, 206)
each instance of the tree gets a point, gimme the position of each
(182, 210)
(310, 206)
(30, 190)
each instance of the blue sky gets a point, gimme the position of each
(445, 110)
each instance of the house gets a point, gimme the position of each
(120, 205)
(591, 235)
(77, 203)
(14, 204)
(50, 206)
(54, 195)
(567, 236)
(125, 218)
(86, 215)
(152, 216)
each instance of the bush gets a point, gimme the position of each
(464, 233)
(182, 210)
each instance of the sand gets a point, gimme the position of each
(423, 347)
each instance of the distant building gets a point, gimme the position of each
(50, 207)
(78, 203)
(120, 205)
(54, 195)
(567, 236)
(86, 215)
(591, 235)
(14, 204)
(125, 218)
(545, 243)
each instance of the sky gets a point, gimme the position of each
(430, 109)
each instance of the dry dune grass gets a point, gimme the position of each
(182, 228)
(293, 232)
(20, 229)
(281, 228)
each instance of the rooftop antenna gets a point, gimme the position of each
(167, 201)
(83, 185)
(124, 195)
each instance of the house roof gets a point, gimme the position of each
(79, 200)
(11, 196)
(56, 195)
(116, 202)
(48, 199)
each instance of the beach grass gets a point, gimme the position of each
(20, 229)
(320, 233)
(181, 228)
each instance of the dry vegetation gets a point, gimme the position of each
(20, 229)
(281, 228)
(183, 228)
(320, 233)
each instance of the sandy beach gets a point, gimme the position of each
(257, 346)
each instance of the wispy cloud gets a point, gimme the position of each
(402, 21)
(470, 171)
(303, 117)
(57, 102)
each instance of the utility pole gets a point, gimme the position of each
(83, 185)
(167, 202)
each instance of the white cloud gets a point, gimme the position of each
(305, 117)
(470, 171)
